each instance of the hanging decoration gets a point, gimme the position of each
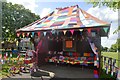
(72, 31)
(38, 33)
(64, 32)
(23, 34)
(105, 29)
(18, 34)
(53, 31)
(27, 34)
(89, 30)
(33, 34)
(44, 33)
(80, 29)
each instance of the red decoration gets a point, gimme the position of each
(38, 33)
(28, 34)
(72, 31)
(18, 34)
(89, 30)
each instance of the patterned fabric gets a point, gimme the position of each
(65, 18)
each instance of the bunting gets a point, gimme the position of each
(89, 30)
(18, 34)
(105, 29)
(80, 29)
(72, 31)
(38, 33)
(33, 34)
(44, 33)
(27, 34)
(23, 34)
(64, 32)
(71, 17)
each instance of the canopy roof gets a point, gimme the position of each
(66, 18)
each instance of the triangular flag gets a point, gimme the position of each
(89, 30)
(33, 34)
(53, 31)
(23, 34)
(64, 32)
(105, 29)
(80, 29)
(72, 31)
(18, 34)
(38, 33)
(44, 33)
(28, 34)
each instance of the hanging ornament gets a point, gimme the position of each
(38, 33)
(18, 34)
(23, 34)
(105, 29)
(44, 33)
(89, 30)
(33, 34)
(64, 32)
(80, 29)
(72, 31)
(28, 34)
(53, 31)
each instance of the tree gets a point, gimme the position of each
(116, 47)
(113, 4)
(113, 48)
(14, 17)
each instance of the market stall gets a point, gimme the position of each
(67, 35)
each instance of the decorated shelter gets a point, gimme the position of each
(72, 32)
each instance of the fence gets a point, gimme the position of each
(110, 66)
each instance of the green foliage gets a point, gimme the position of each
(105, 49)
(113, 4)
(14, 17)
(115, 47)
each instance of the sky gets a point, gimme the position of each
(104, 13)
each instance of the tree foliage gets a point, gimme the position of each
(115, 47)
(14, 17)
(113, 4)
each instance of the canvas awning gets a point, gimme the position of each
(67, 18)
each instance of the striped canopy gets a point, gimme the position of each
(66, 18)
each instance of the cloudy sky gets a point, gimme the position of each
(43, 8)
